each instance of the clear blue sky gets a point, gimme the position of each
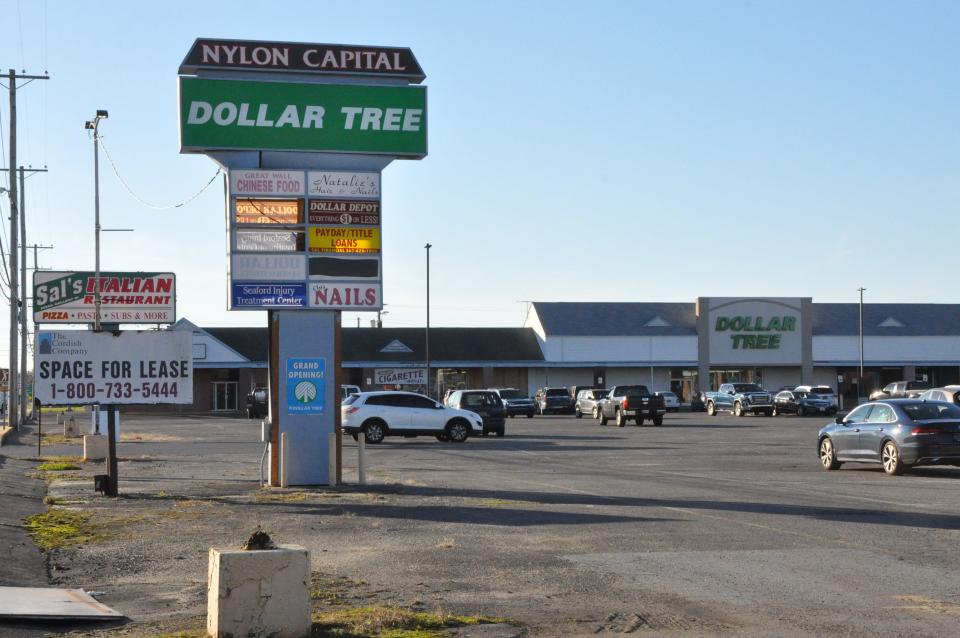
(630, 151)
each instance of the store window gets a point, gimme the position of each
(735, 375)
(224, 398)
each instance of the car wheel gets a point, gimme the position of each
(711, 409)
(355, 437)
(596, 413)
(774, 411)
(530, 415)
(890, 456)
(603, 418)
(768, 412)
(621, 420)
(374, 431)
(639, 420)
(658, 420)
(577, 412)
(737, 409)
(801, 411)
(458, 431)
(441, 437)
(828, 455)
(501, 432)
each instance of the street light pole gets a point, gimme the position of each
(427, 348)
(860, 378)
(93, 125)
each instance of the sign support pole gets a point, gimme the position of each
(112, 478)
(273, 383)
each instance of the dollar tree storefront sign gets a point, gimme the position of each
(347, 118)
(756, 333)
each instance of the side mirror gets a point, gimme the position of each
(838, 420)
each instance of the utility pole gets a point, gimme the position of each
(22, 394)
(427, 348)
(860, 381)
(36, 267)
(13, 394)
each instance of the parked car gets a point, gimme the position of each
(897, 433)
(801, 404)
(347, 390)
(380, 414)
(624, 402)
(486, 403)
(950, 394)
(515, 402)
(556, 400)
(586, 402)
(740, 398)
(258, 403)
(824, 392)
(900, 390)
(670, 400)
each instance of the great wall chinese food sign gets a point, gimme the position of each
(125, 297)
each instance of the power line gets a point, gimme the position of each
(143, 201)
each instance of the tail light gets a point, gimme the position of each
(352, 410)
(626, 403)
(925, 429)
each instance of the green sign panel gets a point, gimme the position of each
(337, 118)
(758, 325)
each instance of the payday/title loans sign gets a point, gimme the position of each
(288, 116)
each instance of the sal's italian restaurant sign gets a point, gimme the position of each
(78, 367)
(125, 297)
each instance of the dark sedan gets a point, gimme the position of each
(801, 404)
(897, 433)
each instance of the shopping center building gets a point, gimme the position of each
(684, 347)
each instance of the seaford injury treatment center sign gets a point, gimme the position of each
(79, 367)
(125, 297)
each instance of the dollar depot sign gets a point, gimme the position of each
(291, 116)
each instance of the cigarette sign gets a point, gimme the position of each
(345, 118)
(268, 211)
(83, 368)
(125, 297)
(400, 376)
(335, 239)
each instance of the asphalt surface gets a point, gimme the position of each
(705, 526)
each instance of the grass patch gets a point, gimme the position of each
(57, 528)
(57, 466)
(269, 496)
(148, 437)
(59, 439)
(334, 590)
(380, 621)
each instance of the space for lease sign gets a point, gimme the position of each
(77, 367)
(125, 297)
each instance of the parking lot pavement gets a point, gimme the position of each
(705, 526)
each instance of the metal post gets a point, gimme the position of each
(112, 479)
(13, 384)
(860, 378)
(36, 405)
(361, 462)
(23, 298)
(427, 347)
(96, 226)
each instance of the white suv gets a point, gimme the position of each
(380, 414)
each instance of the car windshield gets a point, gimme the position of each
(511, 394)
(634, 389)
(557, 392)
(921, 411)
(668, 394)
(480, 399)
(747, 387)
(821, 389)
(599, 394)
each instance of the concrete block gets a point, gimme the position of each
(259, 593)
(94, 447)
(70, 426)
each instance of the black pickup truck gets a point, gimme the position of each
(626, 401)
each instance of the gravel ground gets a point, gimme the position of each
(704, 527)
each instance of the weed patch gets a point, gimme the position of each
(57, 528)
(379, 621)
(57, 466)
